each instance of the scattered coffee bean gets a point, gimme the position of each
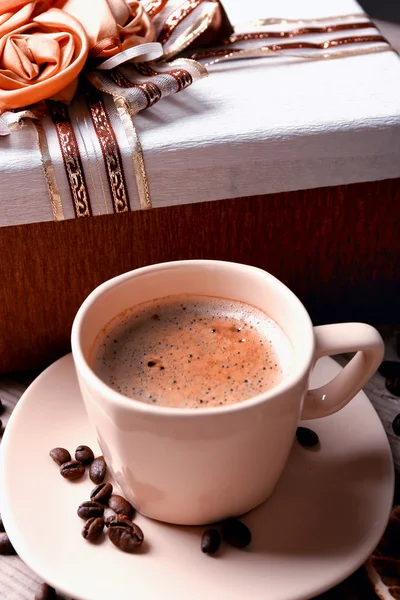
(101, 493)
(121, 506)
(2, 407)
(236, 533)
(307, 437)
(84, 455)
(393, 385)
(1, 425)
(60, 456)
(389, 368)
(93, 528)
(45, 592)
(98, 469)
(211, 541)
(1, 525)
(396, 425)
(126, 536)
(116, 519)
(5, 545)
(72, 470)
(90, 509)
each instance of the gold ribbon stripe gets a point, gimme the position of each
(136, 152)
(300, 22)
(49, 174)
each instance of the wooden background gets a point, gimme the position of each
(337, 248)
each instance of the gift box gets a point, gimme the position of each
(281, 150)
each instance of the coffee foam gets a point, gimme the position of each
(192, 352)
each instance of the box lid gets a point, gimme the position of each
(252, 127)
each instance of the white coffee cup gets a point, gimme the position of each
(193, 467)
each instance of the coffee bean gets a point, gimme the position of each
(393, 385)
(101, 493)
(236, 533)
(5, 545)
(45, 592)
(90, 509)
(2, 407)
(1, 425)
(1, 525)
(98, 469)
(60, 456)
(396, 425)
(72, 470)
(93, 528)
(126, 536)
(121, 506)
(115, 519)
(84, 455)
(307, 437)
(211, 541)
(389, 368)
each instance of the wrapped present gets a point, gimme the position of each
(281, 149)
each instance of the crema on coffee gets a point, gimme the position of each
(189, 351)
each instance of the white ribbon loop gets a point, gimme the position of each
(142, 53)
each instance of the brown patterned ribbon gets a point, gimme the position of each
(110, 149)
(280, 48)
(182, 77)
(175, 18)
(71, 158)
(196, 29)
(264, 35)
(154, 7)
(142, 85)
(151, 91)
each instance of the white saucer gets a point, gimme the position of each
(325, 518)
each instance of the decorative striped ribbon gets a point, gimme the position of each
(281, 50)
(72, 159)
(111, 151)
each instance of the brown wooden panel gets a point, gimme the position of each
(337, 248)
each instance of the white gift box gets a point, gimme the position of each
(254, 126)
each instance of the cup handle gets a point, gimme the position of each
(335, 339)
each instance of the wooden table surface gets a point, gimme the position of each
(18, 582)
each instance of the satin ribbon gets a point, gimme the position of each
(112, 26)
(142, 53)
(42, 53)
